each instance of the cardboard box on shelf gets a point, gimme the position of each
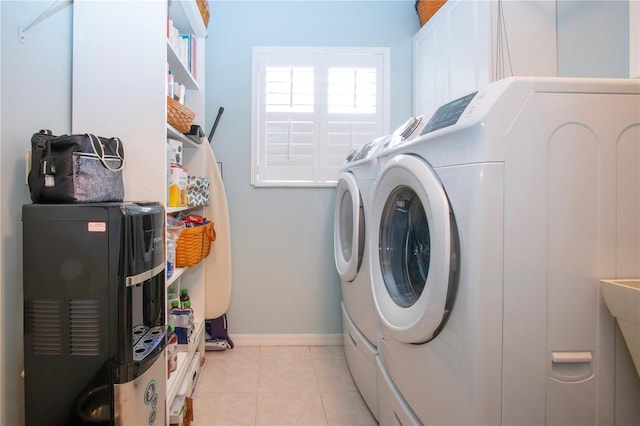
(174, 151)
(178, 179)
(181, 413)
(177, 411)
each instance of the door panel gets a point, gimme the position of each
(415, 250)
(348, 241)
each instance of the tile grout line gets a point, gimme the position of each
(315, 374)
(255, 415)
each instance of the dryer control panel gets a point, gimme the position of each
(448, 114)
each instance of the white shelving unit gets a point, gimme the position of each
(184, 362)
(119, 90)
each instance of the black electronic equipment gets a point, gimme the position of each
(94, 310)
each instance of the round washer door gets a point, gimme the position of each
(414, 250)
(348, 229)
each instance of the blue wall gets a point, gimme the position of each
(284, 278)
(593, 38)
(35, 94)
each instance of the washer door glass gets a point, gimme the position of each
(405, 246)
(348, 238)
(346, 225)
(414, 254)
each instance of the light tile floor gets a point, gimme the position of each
(278, 385)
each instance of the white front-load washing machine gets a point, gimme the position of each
(491, 236)
(354, 194)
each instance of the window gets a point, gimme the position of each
(311, 106)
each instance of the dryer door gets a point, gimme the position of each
(348, 230)
(414, 251)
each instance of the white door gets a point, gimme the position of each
(414, 251)
(349, 229)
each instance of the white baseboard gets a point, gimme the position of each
(287, 339)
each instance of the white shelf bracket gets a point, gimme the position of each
(51, 10)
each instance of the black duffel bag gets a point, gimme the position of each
(75, 168)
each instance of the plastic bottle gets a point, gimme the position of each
(187, 307)
(170, 82)
(172, 351)
(171, 257)
(175, 304)
(184, 296)
(181, 319)
(174, 316)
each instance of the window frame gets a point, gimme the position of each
(258, 120)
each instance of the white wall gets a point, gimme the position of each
(284, 276)
(35, 92)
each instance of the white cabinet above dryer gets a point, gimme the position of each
(468, 44)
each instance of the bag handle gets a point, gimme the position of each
(101, 156)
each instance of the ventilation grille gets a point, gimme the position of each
(43, 319)
(84, 327)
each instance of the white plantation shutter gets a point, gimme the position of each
(352, 90)
(355, 106)
(289, 131)
(311, 107)
(289, 89)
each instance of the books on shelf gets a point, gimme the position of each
(185, 46)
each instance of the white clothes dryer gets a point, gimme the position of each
(491, 236)
(354, 194)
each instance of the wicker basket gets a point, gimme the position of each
(194, 244)
(427, 8)
(203, 6)
(179, 116)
